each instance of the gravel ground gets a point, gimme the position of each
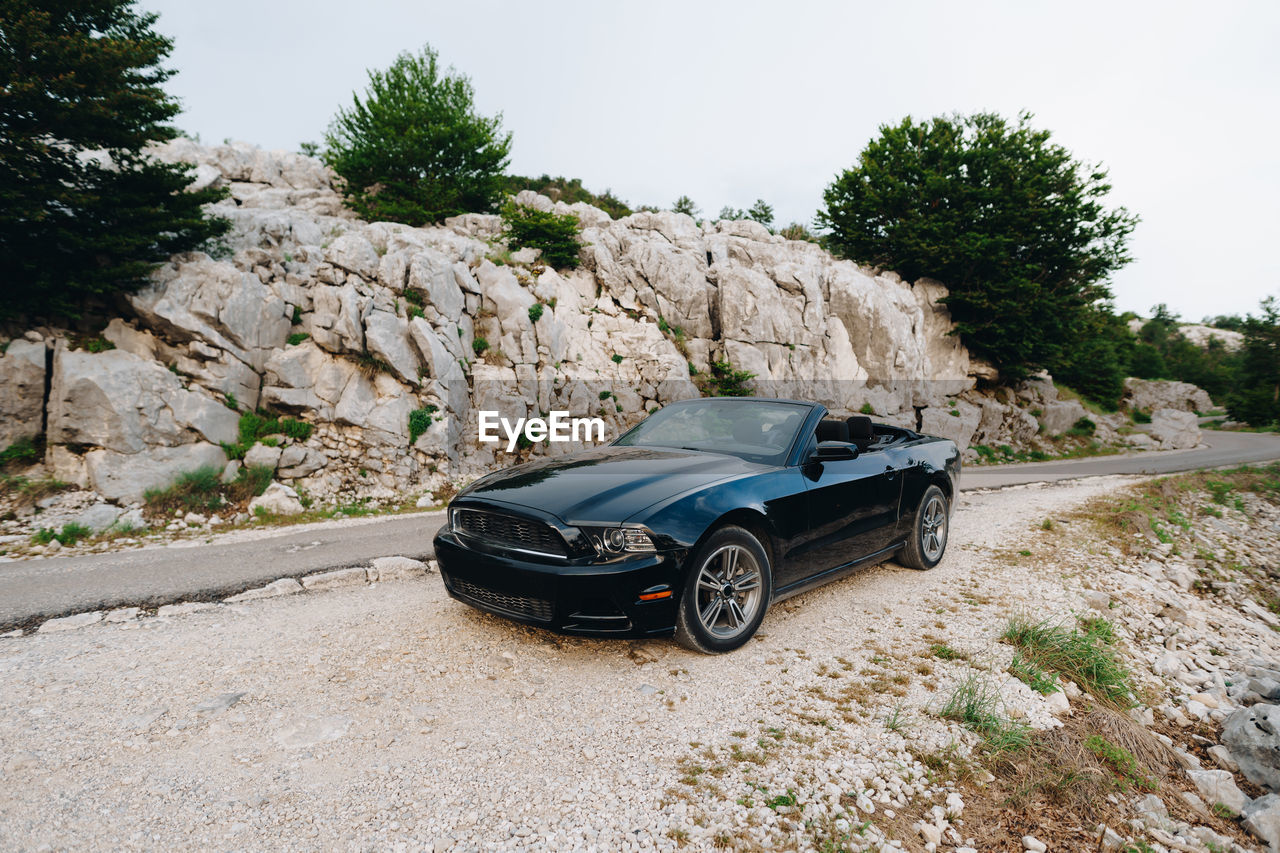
(387, 716)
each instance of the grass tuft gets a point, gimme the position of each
(1084, 656)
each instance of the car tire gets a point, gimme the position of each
(715, 620)
(929, 528)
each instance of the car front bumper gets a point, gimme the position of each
(583, 596)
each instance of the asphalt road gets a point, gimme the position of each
(34, 590)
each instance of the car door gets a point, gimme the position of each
(853, 510)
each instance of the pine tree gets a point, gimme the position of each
(414, 149)
(84, 212)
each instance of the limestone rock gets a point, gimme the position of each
(354, 254)
(262, 456)
(278, 499)
(1153, 394)
(22, 370)
(1262, 819)
(119, 401)
(1252, 735)
(1175, 430)
(1217, 787)
(125, 477)
(1061, 415)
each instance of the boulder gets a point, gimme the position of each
(262, 456)
(1175, 430)
(1218, 787)
(99, 517)
(125, 477)
(957, 422)
(22, 372)
(299, 461)
(1262, 818)
(278, 499)
(1061, 415)
(388, 339)
(121, 402)
(1252, 735)
(353, 253)
(1153, 394)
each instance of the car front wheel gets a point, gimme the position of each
(726, 594)
(928, 540)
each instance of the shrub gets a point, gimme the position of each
(75, 230)
(414, 149)
(867, 409)
(569, 191)
(1141, 416)
(617, 359)
(297, 338)
(200, 489)
(727, 382)
(479, 345)
(23, 451)
(1083, 428)
(70, 534)
(554, 235)
(255, 425)
(420, 421)
(250, 482)
(685, 205)
(535, 312)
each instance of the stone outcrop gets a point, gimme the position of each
(1174, 429)
(22, 375)
(1152, 394)
(354, 326)
(1253, 737)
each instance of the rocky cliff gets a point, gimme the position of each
(352, 327)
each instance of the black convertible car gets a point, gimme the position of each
(696, 519)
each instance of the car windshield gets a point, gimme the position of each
(754, 430)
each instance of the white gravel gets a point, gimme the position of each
(387, 716)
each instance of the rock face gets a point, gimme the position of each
(1175, 430)
(1253, 737)
(1152, 394)
(354, 327)
(22, 373)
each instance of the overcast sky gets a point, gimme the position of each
(732, 101)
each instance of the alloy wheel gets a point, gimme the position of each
(729, 591)
(933, 528)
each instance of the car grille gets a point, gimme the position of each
(533, 608)
(512, 531)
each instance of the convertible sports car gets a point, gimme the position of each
(697, 519)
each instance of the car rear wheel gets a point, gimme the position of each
(928, 540)
(726, 594)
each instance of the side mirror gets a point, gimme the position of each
(831, 451)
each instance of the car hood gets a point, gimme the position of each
(606, 485)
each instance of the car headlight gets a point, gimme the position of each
(616, 540)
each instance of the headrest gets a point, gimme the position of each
(748, 431)
(832, 431)
(860, 430)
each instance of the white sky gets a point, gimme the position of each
(733, 101)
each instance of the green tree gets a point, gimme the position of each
(84, 211)
(1256, 397)
(555, 235)
(414, 149)
(1008, 220)
(685, 205)
(732, 213)
(761, 212)
(1096, 366)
